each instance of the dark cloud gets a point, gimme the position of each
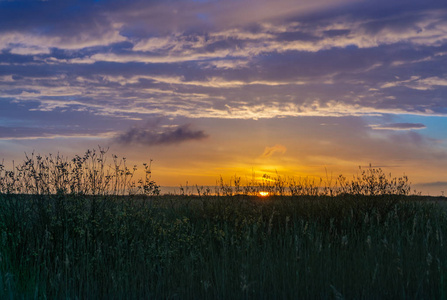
(224, 44)
(158, 136)
(337, 32)
(296, 36)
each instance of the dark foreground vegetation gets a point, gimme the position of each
(100, 243)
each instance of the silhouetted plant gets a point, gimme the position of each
(82, 175)
(370, 181)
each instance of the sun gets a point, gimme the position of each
(263, 194)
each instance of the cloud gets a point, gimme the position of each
(168, 16)
(399, 126)
(251, 59)
(269, 151)
(32, 133)
(155, 136)
(416, 83)
(434, 184)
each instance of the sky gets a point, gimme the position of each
(235, 87)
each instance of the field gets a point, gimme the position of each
(358, 240)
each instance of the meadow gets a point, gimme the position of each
(82, 228)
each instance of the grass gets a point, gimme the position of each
(120, 240)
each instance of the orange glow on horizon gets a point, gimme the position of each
(263, 194)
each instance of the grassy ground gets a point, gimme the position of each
(185, 247)
(84, 229)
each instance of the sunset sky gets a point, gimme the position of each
(210, 88)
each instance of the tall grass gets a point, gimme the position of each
(87, 175)
(370, 181)
(111, 244)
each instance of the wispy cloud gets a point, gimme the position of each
(33, 133)
(284, 60)
(159, 136)
(417, 83)
(435, 184)
(398, 126)
(277, 149)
